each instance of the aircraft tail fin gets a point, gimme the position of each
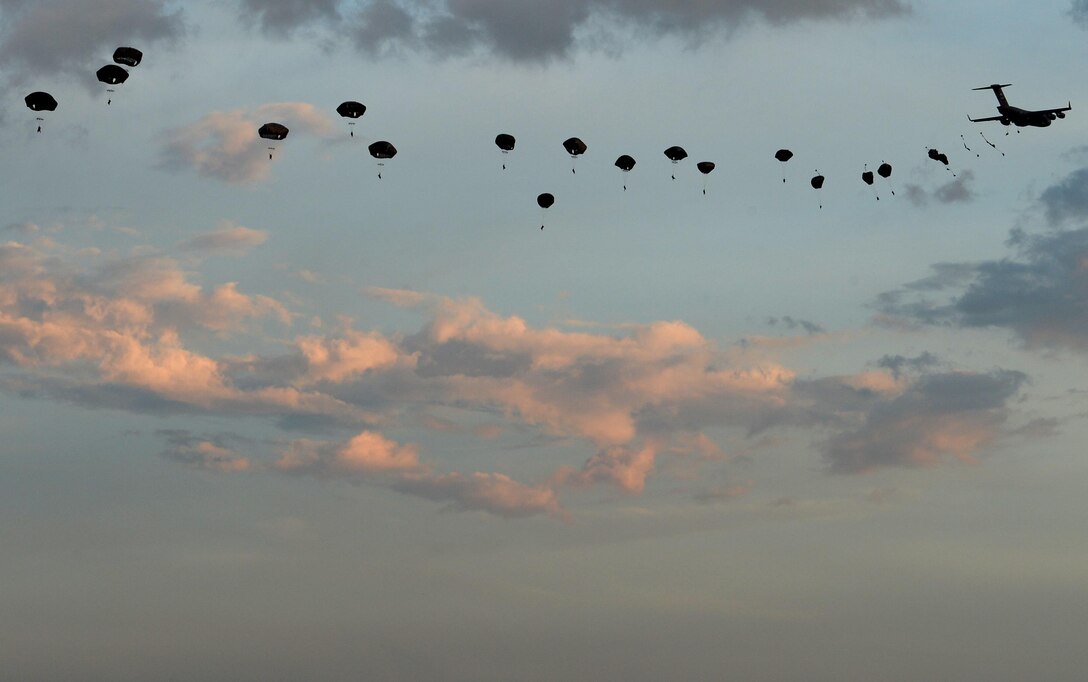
(996, 87)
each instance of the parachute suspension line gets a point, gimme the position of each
(966, 147)
(991, 143)
(888, 178)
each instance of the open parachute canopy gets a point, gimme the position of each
(129, 56)
(884, 170)
(625, 163)
(112, 74)
(817, 181)
(351, 109)
(783, 155)
(40, 101)
(867, 177)
(676, 154)
(545, 200)
(574, 146)
(273, 131)
(505, 142)
(382, 150)
(705, 167)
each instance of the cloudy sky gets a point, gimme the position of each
(284, 419)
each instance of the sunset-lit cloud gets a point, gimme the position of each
(224, 144)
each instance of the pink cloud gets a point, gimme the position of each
(225, 145)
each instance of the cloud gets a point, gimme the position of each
(494, 493)
(531, 31)
(1068, 200)
(225, 145)
(227, 238)
(1039, 295)
(368, 452)
(279, 17)
(371, 457)
(948, 414)
(200, 453)
(1079, 12)
(954, 191)
(75, 37)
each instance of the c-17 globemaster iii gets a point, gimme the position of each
(1017, 116)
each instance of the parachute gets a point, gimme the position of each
(40, 101)
(943, 158)
(676, 155)
(351, 109)
(783, 155)
(817, 182)
(505, 142)
(129, 56)
(625, 163)
(544, 201)
(575, 147)
(272, 131)
(705, 167)
(111, 74)
(868, 178)
(382, 150)
(885, 171)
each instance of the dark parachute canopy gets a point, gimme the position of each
(544, 201)
(938, 156)
(40, 101)
(817, 182)
(505, 142)
(382, 150)
(273, 131)
(783, 155)
(885, 170)
(111, 74)
(351, 109)
(625, 163)
(867, 176)
(575, 147)
(129, 56)
(676, 154)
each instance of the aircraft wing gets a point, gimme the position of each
(980, 120)
(1067, 107)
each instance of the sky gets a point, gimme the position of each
(282, 418)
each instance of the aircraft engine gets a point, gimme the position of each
(1053, 116)
(1060, 114)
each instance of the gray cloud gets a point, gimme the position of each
(209, 453)
(529, 30)
(953, 413)
(899, 364)
(795, 323)
(1040, 295)
(75, 37)
(954, 191)
(279, 17)
(1067, 200)
(1079, 12)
